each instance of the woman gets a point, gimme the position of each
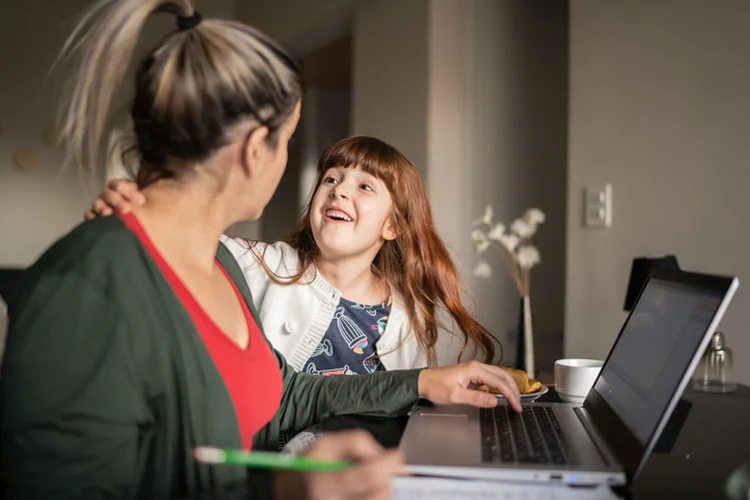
(133, 339)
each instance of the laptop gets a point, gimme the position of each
(608, 438)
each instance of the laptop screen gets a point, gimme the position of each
(667, 328)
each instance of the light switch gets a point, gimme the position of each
(598, 206)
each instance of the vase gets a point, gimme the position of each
(525, 341)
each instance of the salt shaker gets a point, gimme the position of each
(714, 372)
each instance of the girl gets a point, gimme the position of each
(358, 285)
(133, 339)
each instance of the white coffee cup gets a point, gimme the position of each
(574, 378)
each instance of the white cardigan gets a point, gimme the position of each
(295, 317)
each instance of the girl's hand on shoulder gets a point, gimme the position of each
(368, 479)
(457, 385)
(119, 194)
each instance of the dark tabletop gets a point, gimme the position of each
(708, 439)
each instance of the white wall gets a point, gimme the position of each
(390, 75)
(659, 107)
(39, 206)
(517, 155)
(301, 25)
(325, 120)
(474, 93)
(398, 97)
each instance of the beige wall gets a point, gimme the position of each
(659, 107)
(38, 206)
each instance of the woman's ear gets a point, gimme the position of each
(256, 150)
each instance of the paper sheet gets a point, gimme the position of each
(418, 488)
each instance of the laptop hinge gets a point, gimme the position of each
(601, 445)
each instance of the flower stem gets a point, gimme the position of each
(527, 281)
(512, 263)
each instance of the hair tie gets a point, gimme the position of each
(187, 22)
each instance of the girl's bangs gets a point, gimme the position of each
(371, 155)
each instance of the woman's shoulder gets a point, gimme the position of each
(97, 243)
(100, 252)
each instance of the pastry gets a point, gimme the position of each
(522, 380)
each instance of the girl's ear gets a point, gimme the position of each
(390, 232)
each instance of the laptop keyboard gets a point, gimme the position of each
(533, 437)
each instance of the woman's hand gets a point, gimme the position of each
(457, 385)
(369, 478)
(120, 194)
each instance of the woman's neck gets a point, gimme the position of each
(354, 279)
(184, 221)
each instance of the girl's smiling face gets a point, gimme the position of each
(351, 213)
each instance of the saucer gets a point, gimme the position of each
(527, 398)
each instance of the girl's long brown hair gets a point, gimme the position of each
(417, 263)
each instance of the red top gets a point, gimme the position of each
(251, 375)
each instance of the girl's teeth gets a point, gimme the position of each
(335, 214)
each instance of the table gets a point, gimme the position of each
(713, 440)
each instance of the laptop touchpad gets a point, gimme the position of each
(443, 435)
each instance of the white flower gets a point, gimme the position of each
(480, 240)
(528, 256)
(534, 216)
(482, 270)
(514, 244)
(509, 241)
(522, 228)
(496, 233)
(487, 217)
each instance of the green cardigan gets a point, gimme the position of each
(106, 386)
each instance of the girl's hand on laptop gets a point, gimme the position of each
(120, 194)
(370, 477)
(457, 385)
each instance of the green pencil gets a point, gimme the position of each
(266, 460)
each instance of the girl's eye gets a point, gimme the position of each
(366, 187)
(330, 180)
